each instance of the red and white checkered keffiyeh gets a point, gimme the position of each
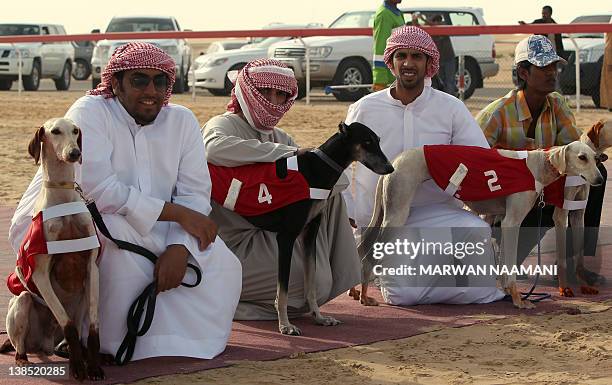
(136, 55)
(414, 38)
(262, 73)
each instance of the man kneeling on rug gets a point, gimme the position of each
(264, 91)
(144, 164)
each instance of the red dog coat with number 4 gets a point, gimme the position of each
(256, 189)
(473, 173)
(34, 243)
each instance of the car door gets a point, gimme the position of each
(65, 48)
(48, 53)
(478, 46)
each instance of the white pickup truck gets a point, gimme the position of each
(347, 60)
(38, 60)
(177, 48)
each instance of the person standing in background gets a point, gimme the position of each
(387, 17)
(555, 38)
(605, 90)
(447, 53)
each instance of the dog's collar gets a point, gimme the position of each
(330, 162)
(63, 185)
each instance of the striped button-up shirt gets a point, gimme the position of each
(506, 121)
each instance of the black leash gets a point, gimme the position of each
(146, 300)
(538, 296)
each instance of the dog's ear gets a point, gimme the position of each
(601, 157)
(343, 128)
(593, 133)
(80, 144)
(35, 143)
(556, 157)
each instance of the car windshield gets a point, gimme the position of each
(140, 25)
(354, 20)
(590, 19)
(19, 29)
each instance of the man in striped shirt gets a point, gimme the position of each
(535, 116)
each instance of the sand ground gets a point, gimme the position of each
(545, 349)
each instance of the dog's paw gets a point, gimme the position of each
(95, 373)
(78, 370)
(290, 330)
(21, 359)
(368, 301)
(355, 293)
(566, 292)
(525, 304)
(589, 290)
(327, 321)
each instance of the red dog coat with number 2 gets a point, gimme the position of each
(473, 173)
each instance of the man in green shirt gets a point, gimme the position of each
(386, 19)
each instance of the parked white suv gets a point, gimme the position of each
(39, 60)
(177, 48)
(347, 60)
(592, 46)
(212, 68)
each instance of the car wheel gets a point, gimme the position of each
(63, 82)
(179, 83)
(471, 77)
(352, 72)
(301, 94)
(95, 82)
(217, 91)
(32, 81)
(596, 98)
(186, 80)
(5, 85)
(81, 70)
(228, 85)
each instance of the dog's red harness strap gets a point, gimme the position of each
(255, 189)
(34, 243)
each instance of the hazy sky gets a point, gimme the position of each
(82, 16)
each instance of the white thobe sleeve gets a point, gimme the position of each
(351, 209)
(466, 130)
(98, 178)
(193, 186)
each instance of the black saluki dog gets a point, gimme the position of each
(321, 168)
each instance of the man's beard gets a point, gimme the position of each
(410, 84)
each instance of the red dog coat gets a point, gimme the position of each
(474, 173)
(34, 243)
(256, 189)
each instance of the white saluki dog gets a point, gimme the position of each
(65, 272)
(394, 194)
(599, 139)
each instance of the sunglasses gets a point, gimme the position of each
(141, 82)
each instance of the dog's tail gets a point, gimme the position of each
(7, 346)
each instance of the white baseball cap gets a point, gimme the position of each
(537, 50)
